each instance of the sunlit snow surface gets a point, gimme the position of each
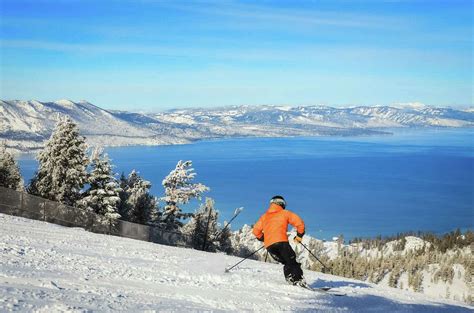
(25, 125)
(47, 268)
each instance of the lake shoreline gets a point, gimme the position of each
(354, 186)
(188, 141)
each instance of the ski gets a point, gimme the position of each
(325, 290)
(329, 291)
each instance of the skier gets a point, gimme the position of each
(271, 228)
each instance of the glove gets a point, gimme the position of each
(297, 239)
(261, 238)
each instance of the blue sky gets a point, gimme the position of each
(153, 55)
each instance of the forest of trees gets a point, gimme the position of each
(441, 242)
(69, 175)
(440, 259)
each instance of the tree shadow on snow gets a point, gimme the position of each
(372, 303)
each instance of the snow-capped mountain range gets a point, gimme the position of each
(26, 124)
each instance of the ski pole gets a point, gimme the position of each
(236, 212)
(324, 266)
(248, 256)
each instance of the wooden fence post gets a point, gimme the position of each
(44, 210)
(22, 206)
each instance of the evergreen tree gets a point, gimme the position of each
(202, 227)
(123, 195)
(224, 240)
(31, 188)
(394, 276)
(179, 189)
(10, 176)
(62, 165)
(244, 242)
(400, 245)
(415, 280)
(102, 196)
(141, 205)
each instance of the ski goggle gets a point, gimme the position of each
(279, 201)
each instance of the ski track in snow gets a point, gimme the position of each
(48, 268)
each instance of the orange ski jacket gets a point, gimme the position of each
(273, 225)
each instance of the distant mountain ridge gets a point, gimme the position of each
(25, 125)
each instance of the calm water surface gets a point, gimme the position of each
(364, 186)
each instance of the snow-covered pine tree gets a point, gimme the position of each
(141, 205)
(244, 242)
(62, 165)
(31, 187)
(123, 194)
(202, 227)
(10, 176)
(224, 241)
(102, 196)
(179, 189)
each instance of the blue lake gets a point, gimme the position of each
(363, 186)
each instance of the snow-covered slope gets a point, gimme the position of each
(48, 268)
(26, 124)
(378, 263)
(323, 116)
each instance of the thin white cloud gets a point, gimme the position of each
(301, 53)
(292, 18)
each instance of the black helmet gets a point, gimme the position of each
(278, 200)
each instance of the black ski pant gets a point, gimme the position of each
(283, 253)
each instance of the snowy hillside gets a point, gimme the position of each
(26, 124)
(361, 117)
(45, 268)
(396, 264)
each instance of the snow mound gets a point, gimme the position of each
(46, 268)
(410, 105)
(65, 103)
(412, 244)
